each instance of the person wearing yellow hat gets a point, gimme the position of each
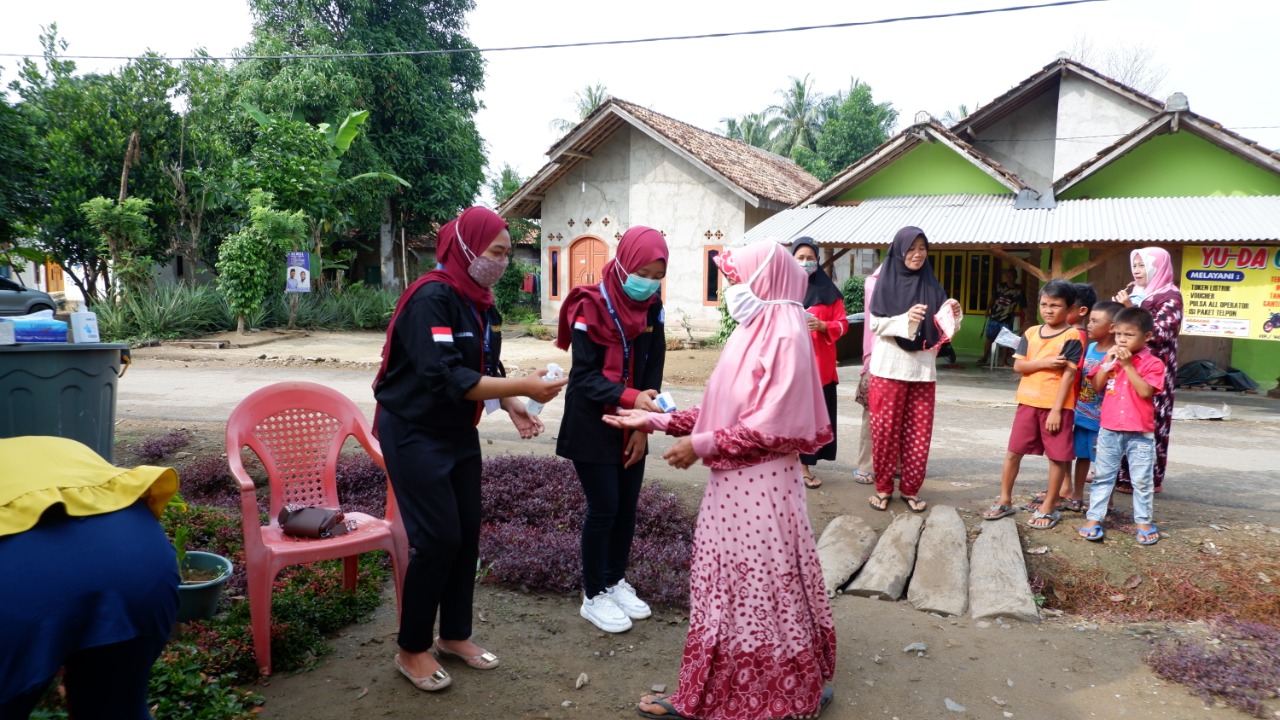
(90, 580)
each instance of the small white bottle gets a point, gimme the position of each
(554, 373)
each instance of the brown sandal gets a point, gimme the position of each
(879, 502)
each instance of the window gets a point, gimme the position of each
(711, 277)
(553, 275)
(968, 276)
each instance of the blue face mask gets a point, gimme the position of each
(640, 289)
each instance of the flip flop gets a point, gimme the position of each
(812, 482)
(1000, 511)
(863, 478)
(915, 504)
(828, 693)
(879, 502)
(1149, 537)
(663, 702)
(1093, 534)
(1053, 518)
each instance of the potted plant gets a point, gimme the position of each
(203, 574)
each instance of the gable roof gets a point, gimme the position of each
(761, 178)
(1047, 77)
(899, 145)
(1172, 121)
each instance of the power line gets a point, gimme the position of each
(594, 43)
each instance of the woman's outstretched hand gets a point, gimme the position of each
(628, 420)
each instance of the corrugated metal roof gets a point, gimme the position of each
(992, 220)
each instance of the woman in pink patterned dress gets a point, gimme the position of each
(761, 641)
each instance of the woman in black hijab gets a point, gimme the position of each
(827, 322)
(910, 325)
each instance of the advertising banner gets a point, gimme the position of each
(298, 276)
(1231, 291)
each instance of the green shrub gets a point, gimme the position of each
(727, 324)
(854, 293)
(510, 300)
(164, 312)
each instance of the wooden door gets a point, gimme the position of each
(53, 280)
(587, 256)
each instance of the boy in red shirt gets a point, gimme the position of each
(1131, 376)
(1043, 425)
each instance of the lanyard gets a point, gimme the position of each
(489, 367)
(626, 346)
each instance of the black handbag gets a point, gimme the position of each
(312, 522)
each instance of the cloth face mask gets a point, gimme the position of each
(742, 302)
(484, 270)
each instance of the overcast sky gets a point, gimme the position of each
(1221, 54)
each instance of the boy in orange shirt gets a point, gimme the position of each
(1047, 358)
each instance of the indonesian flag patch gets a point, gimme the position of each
(580, 324)
(442, 334)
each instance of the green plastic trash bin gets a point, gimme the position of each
(61, 389)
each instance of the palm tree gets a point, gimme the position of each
(585, 100)
(800, 117)
(952, 118)
(753, 129)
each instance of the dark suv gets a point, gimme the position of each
(16, 299)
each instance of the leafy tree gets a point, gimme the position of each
(422, 107)
(857, 126)
(800, 114)
(952, 117)
(251, 261)
(83, 125)
(126, 233)
(18, 200)
(585, 101)
(502, 186)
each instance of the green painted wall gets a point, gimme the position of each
(927, 169)
(1177, 165)
(1260, 359)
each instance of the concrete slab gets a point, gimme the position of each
(940, 582)
(998, 575)
(890, 565)
(844, 547)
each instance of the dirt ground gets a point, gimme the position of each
(1064, 667)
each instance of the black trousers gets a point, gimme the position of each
(436, 478)
(610, 524)
(828, 451)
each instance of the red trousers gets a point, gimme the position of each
(901, 431)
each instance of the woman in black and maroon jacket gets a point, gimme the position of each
(441, 369)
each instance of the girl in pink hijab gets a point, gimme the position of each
(761, 642)
(1153, 289)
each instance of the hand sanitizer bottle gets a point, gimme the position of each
(554, 373)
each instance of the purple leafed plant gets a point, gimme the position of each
(362, 485)
(1242, 669)
(206, 480)
(158, 447)
(533, 508)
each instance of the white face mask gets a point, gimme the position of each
(742, 302)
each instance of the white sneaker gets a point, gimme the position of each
(624, 596)
(605, 614)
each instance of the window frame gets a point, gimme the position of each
(555, 256)
(710, 270)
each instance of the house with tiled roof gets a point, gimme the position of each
(1060, 177)
(626, 165)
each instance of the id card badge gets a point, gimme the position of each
(491, 405)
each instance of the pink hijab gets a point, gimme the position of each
(767, 377)
(1159, 272)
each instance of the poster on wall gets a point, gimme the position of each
(1231, 291)
(298, 276)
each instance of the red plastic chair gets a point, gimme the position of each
(297, 430)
